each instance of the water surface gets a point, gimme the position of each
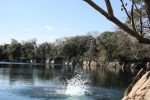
(40, 82)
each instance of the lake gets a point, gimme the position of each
(45, 82)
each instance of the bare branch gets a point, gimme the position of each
(95, 6)
(137, 8)
(132, 16)
(125, 9)
(141, 29)
(140, 18)
(109, 7)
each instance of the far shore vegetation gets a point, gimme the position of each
(99, 47)
(130, 42)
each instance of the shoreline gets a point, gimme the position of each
(20, 63)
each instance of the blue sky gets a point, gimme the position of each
(47, 20)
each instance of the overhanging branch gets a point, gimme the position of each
(125, 9)
(95, 6)
(109, 8)
(118, 23)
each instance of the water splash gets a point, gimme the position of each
(77, 85)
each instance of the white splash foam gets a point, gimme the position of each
(76, 86)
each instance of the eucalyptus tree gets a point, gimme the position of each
(69, 48)
(91, 53)
(29, 50)
(139, 51)
(44, 51)
(1, 52)
(14, 50)
(139, 24)
(113, 45)
(57, 48)
(75, 47)
(5, 52)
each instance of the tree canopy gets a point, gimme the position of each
(107, 46)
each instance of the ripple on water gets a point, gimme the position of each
(75, 88)
(50, 93)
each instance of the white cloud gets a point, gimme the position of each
(48, 27)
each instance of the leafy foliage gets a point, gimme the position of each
(107, 46)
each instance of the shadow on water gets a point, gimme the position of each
(44, 82)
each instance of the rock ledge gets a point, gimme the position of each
(140, 88)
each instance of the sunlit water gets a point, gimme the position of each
(27, 82)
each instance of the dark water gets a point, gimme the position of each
(40, 82)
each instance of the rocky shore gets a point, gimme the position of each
(139, 88)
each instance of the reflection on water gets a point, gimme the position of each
(40, 82)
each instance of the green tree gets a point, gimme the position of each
(14, 50)
(1, 52)
(28, 50)
(91, 53)
(76, 46)
(44, 51)
(113, 45)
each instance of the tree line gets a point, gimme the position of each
(106, 47)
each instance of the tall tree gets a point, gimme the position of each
(113, 45)
(44, 51)
(134, 30)
(28, 49)
(14, 50)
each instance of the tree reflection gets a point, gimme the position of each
(42, 73)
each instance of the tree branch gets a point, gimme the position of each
(140, 18)
(132, 16)
(125, 9)
(118, 23)
(95, 6)
(109, 7)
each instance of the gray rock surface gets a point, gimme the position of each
(140, 90)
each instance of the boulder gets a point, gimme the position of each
(139, 90)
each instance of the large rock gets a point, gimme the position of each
(140, 90)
